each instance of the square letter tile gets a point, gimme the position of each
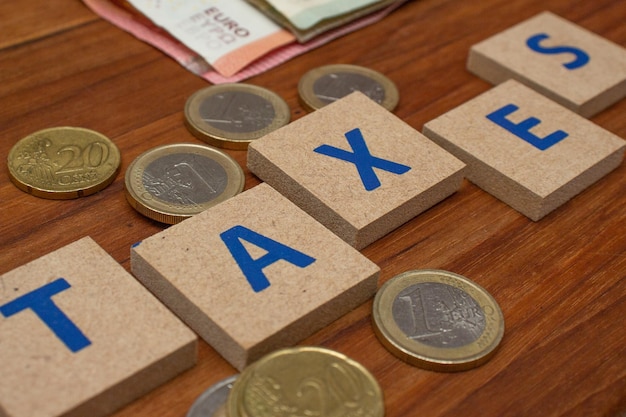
(80, 336)
(253, 274)
(571, 65)
(356, 168)
(525, 149)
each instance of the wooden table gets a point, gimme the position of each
(560, 281)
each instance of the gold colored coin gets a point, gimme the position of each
(173, 182)
(437, 320)
(324, 85)
(63, 162)
(233, 115)
(305, 381)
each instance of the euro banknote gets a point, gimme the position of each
(322, 16)
(123, 15)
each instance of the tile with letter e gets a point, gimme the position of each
(525, 149)
(356, 168)
(80, 336)
(253, 274)
(565, 62)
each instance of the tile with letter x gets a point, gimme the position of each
(525, 149)
(80, 336)
(356, 168)
(254, 273)
(565, 62)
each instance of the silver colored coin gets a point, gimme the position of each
(233, 115)
(185, 178)
(211, 400)
(437, 320)
(326, 84)
(332, 87)
(438, 315)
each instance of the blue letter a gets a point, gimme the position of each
(253, 268)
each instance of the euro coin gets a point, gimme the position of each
(63, 162)
(437, 320)
(305, 381)
(326, 84)
(233, 115)
(173, 182)
(211, 403)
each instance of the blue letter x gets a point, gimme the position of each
(363, 159)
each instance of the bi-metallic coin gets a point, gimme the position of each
(63, 162)
(212, 402)
(305, 381)
(233, 115)
(173, 182)
(437, 320)
(324, 85)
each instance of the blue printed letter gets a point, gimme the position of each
(253, 269)
(363, 159)
(40, 301)
(581, 57)
(522, 129)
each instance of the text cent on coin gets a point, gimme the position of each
(329, 83)
(437, 320)
(173, 182)
(211, 403)
(233, 115)
(63, 163)
(305, 381)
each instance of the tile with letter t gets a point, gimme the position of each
(565, 62)
(254, 273)
(356, 168)
(79, 336)
(525, 149)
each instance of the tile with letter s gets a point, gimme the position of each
(565, 62)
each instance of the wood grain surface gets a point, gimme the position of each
(560, 281)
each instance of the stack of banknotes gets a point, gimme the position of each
(231, 40)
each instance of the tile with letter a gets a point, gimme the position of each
(565, 62)
(253, 274)
(79, 336)
(525, 149)
(356, 168)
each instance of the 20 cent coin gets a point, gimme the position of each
(305, 381)
(63, 163)
(437, 320)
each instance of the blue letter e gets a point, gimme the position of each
(253, 268)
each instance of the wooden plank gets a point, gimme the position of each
(560, 281)
(34, 19)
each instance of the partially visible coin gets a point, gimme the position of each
(437, 320)
(233, 115)
(63, 162)
(173, 182)
(324, 85)
(305, 381)
(211, 403)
